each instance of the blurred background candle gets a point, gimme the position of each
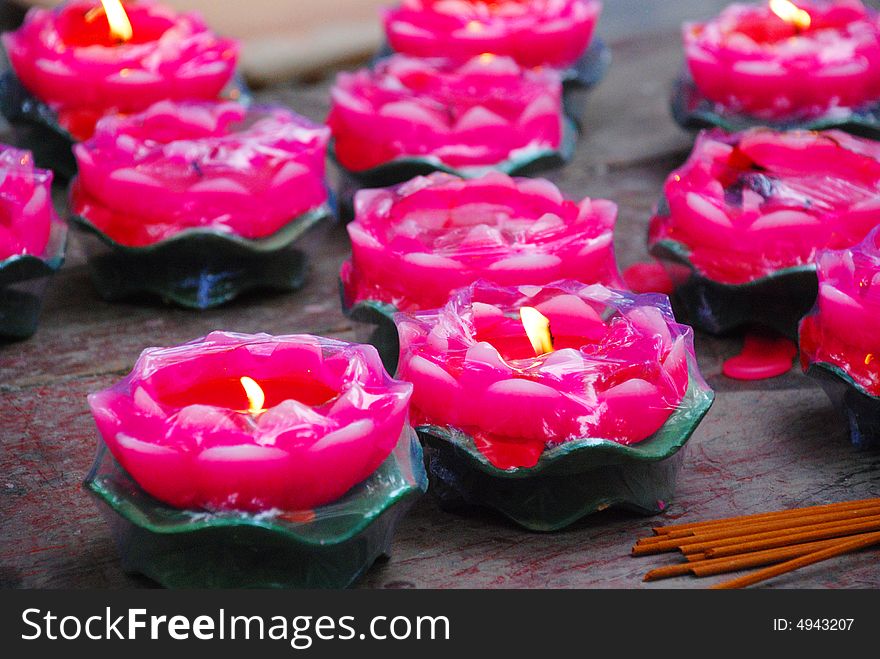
(748, 205)
(533, 32)
(146, 177)
(475, 115)
(415, 243)
(84, 65)
(26, 210)
(786, 59)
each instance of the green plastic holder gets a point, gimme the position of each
(24, 279)
(198, 268)
(571, 480)
(330, 548)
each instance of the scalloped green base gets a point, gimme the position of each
(199, 268)
(381, 315)
(403, 169)
(571, 480)
(860, 409)
(778, 301)
(693, 111)
(23, 282)
(37, 128)
(197, 549)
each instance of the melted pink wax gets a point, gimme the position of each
(763, 356)
(648, 278)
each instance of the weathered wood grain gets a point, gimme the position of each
(764, 445)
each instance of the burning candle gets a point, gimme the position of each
(533, 32)
(177, 166)
(414, 243)
(748, 212)
(486, 113)
(89, 59)
(253, 422)
(787, 60)
(521, 370)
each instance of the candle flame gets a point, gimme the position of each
(120, 26)
(537, 329)
(256, 397)
(790, 13)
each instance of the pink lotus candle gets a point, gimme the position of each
(200, 164)
(26, 211)
(750, 204)
(414, 243)
(844, 327)
(84, 66)
(533, 32)
(787, 60)
(472, 116)
(522, 369)
(253, 422)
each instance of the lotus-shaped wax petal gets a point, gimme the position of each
(533, 32)
(844, 328)
(199, 164)
(750, 61)
(750, 204)
(472, 115)
(414, 243)
(26, 211)
(619, 369)
(68, 59)
(181, 422)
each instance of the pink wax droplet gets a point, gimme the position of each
(648, 278)
(763, 356)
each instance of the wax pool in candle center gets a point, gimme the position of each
(513, 343)
(90, 27)
(229, 392)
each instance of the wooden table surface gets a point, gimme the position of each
(763, 446)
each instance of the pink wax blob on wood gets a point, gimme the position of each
(253, 422)
(71, 60)
(533, 32)
(784, 59)
(414, 243)
(472, 115)
(648, 278)
(764, 355)
(844, 328)
(618, 368)
(26, 211)
(750, 204)
(199, 164)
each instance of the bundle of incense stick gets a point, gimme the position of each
(784, 541)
